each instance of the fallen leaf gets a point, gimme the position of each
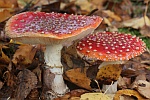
(143, 87)
(34, 94)
(123, 82)
(8, 3)
(136, 22)
(4, 58)
(85, 5)
(145, 30)
(5, 14)
(1, 84)
(129, 93)
(27, 81)
(109, 73)
(24, 54)
(79, 78)
(94, 96)
(72, 95)
(98, 3)
(112, 15)
(23, 3)
(9, 78)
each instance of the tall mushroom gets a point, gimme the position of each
(110, 47)
(54, 30)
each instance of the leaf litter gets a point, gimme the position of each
(21, 65)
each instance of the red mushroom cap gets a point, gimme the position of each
(53, 25)
(110, 46)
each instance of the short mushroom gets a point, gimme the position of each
(54, 30)
(110, 47)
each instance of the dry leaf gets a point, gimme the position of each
(109, 73)
(1, 84)
(24, 54)
(136, 22)
(5, 14)
(111, 15)
(143, 87)
(79, 78)
(27, 81)
(73, 95)
(145, 30)
(124, 82)
(98, 3)
(85, 5)
(23, 3)
(94, 96)
(129, 93)
(4, 58)
(8, 3)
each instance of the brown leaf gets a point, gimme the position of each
(9, 78)
(109, 73)
(1, 84)
(26, 82)
(5, 14)
(112, 15)
(136, 22)
(98, 3)
(34, 94)
(123, 82)
(24, 54)
(79, 78)
(23, 3)
(143, 87)
(85, 5)
(8, 3)
(145, 30)
(129, 93)
(73, 95)
(4, 58)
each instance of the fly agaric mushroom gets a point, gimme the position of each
(54, 30)
(110, 47)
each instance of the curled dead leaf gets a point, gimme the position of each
(143, 87)
(23, 3)
(8, 3)
(85, 5)
(112, 15)
(79, 78)
(145, 30)
(109, 73)
(129, 93)
(1, 84)
(136, 22)
(5, 14)
(27, 81)
(4, 58)
(73, 95)
(24, 54)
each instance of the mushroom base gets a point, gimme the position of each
(58, 84)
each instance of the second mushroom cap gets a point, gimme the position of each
(111, 46)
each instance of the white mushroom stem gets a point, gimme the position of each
(52, 56)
